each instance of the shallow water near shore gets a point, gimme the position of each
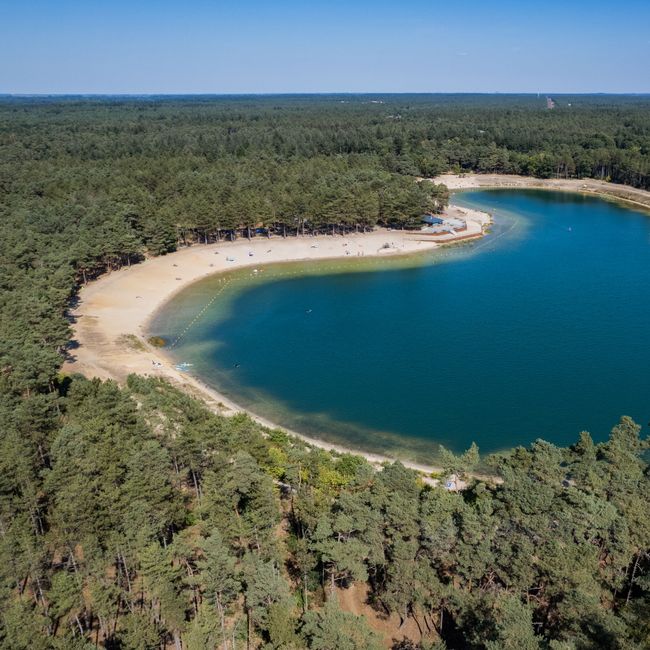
(536, 331)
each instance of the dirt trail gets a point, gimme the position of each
(354, 600)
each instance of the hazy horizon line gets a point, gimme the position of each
(319, 93)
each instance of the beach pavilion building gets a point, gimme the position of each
(432, 220)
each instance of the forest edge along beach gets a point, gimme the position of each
(122, 303)
(119, 306)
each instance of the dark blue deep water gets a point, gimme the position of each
(540, 330)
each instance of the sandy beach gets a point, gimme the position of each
(603, 189)
(119, 305)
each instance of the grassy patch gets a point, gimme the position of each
(131, 341)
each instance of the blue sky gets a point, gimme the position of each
(212, 46)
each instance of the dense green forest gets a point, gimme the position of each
(134, 518)
(131, 517)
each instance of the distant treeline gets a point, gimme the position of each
(179, 169)
(132, 518)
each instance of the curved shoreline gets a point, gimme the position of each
(588, 186)
(123, 302)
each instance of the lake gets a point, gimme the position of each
(538, 330)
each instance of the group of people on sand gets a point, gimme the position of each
(156, 364)
(360, 253)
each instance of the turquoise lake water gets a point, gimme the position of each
(539, 330)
